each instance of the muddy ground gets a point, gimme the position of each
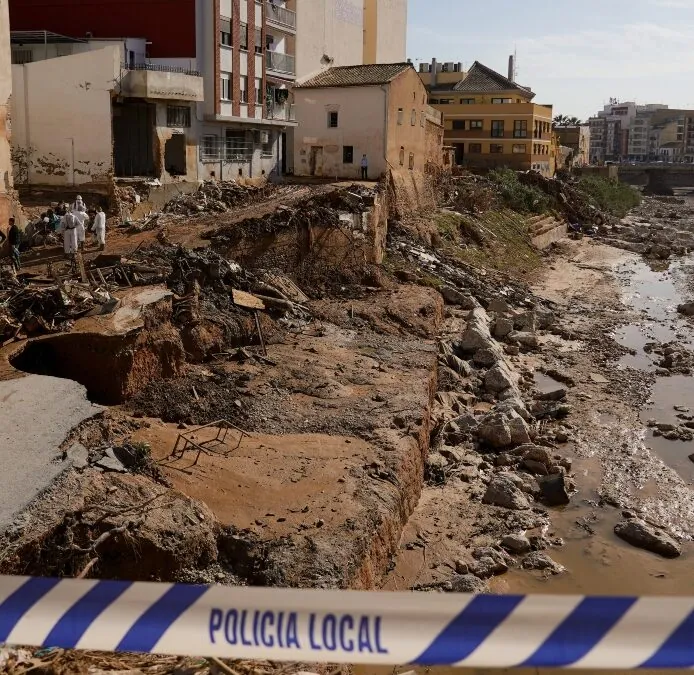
(332, 483)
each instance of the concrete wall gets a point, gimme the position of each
(8, 205)
(333, 28)
(162, 85)
(361, 124)
(385, 31)
(58, 102)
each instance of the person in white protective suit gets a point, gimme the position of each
(99, 228)
(68, 224)
(82, 218)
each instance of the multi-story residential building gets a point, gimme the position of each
(403, 132)
(491, 121)
(662, 134)
(242, 49)
(7, 204)
(576, 137)
(385, 31)
(441, 74)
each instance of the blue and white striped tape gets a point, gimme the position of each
(349, 626)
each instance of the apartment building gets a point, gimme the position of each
(662, 134)
(577, 138)
(244, 51)
(377, 110)
(7, 204)
(385, 31)
(441, 74)
(491, 120)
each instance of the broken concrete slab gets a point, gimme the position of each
(38, 414)
(78, 456)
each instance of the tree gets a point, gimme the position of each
(565, 121)
(574, 121)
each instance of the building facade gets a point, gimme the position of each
(8, 205)
(243, 50)
(380, 111)
(385, 31)
(492, 122)
(577, 138)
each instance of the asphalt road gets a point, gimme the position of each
(36, 415)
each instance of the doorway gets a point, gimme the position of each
(175, 155)
(316, 161)
(284, 153)
(133, 139)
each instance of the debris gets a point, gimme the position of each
(640, 534)
(541, 561)
(502, 492)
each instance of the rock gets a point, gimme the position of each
(126, 455)
(476, 335)
(466, 422)
(461, 567)
(525, 339)
(664, 427)
(686, 308)
(468, 583)
(78, 456)
(535, 467)
(598, 379)
(502, 492)
(541, 561)
(486, 357)
(561, 437)
(453, 455)
(502, 327)
(660, 251)
(499, 378)
(436, 461)
(495, 431)
(539, 542)
(512, 350)
(558, 394)
(526, 322)
(536, 453)
(109, 463)
(520, 432)
(691, 457)
(458, 365)
(516, 543)
(542, 409)
(489, 562)
(553, 490)
(640, 534)
(452, 296)
(498, 306)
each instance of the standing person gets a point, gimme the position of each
(69, 226)
(100, 228)
(53, 221)
(15, 238)
(80, 214)
(364, 167)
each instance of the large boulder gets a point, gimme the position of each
(476, 335)
(686, 308)
(502, 492)
(503, 327)
(494, 430)
(516, 543)
(499, 378)
(640, 534)
(553, 490)
(520, 431)
(452, 296)
(525, 339)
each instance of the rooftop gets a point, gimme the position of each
(356, 76)
(481, 79)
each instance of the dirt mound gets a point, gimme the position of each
(218, 197)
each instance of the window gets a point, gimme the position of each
(244, 36)
(401, 115)
(21, 56)
(433, 101)
(459, 125)
(445, 101)
(474, 148)
(266, 146)
(348, 154)
(258, 41)
(259, 91)
(520, 129)
(237, 147)
(519, 148)
(332, 120)
(497, 128)
(210, 146)
(225, 32)
(411, 161)
(226, 87)
(475, 124)
(177, 116)
(244, 88)
(402, 156)
(413, 118)
(496, 149)
(502, 100)
(467, 101)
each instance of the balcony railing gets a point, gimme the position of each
(280, 15)
(155, 67)
(280, 63)
(285, 112)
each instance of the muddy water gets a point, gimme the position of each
(655, 293)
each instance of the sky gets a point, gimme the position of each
(575, 55)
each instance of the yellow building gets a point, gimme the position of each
(492, 122)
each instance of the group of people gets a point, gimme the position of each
(74, 222)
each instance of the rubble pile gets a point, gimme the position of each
(218, 197)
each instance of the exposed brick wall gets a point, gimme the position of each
(262, 42)
(217, 58)
(236, 58)
(251, 58)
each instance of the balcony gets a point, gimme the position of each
(281, 17)
(284, 113)
(281, 64)
(153, 81)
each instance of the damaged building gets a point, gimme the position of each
(88, 109)
(8, 204)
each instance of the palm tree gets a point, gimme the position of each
(560, 120)
(574, 122)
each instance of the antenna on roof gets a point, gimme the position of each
(515, 63)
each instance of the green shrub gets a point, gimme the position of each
(515, 195)
(609, 195)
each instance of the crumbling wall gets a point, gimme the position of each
(410, 192)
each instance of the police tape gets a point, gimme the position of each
(348, 626)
